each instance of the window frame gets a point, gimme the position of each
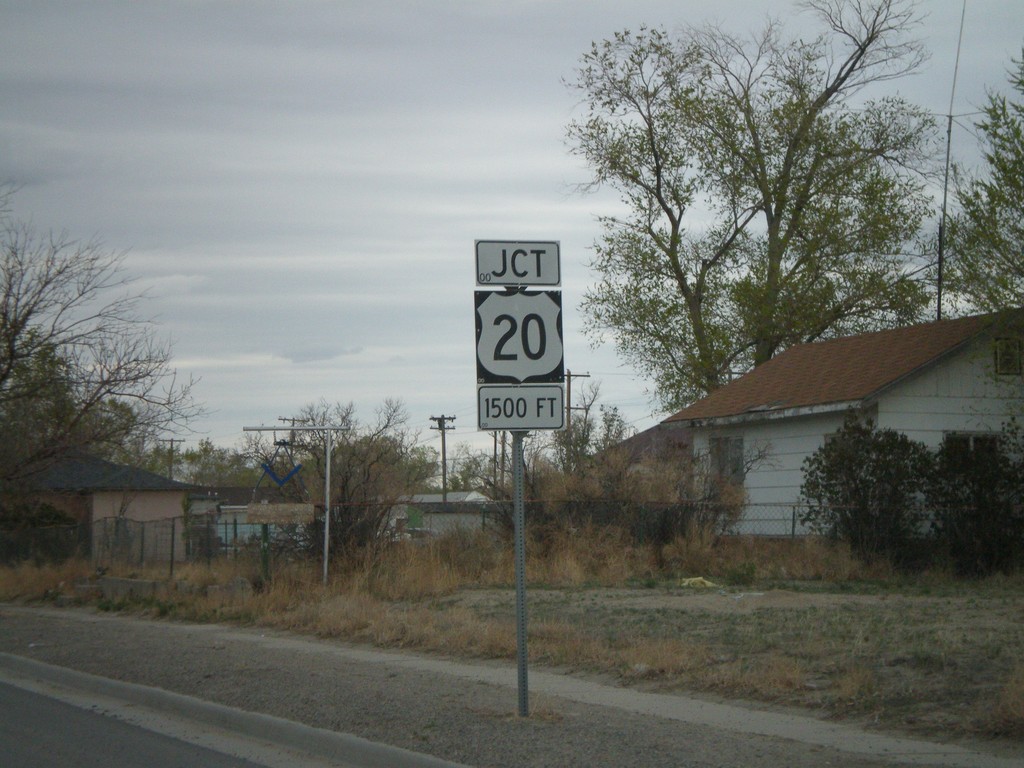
(1008, 356)
(726, 454)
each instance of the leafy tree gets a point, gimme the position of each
(977, 494)
(988, 268)
(765, 206)
(865, 486)
(212, 465)
(79, 369)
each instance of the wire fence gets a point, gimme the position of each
(209, 537)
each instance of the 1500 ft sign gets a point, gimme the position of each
(519, 337)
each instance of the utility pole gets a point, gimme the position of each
(571, 453)
(442, 427)
(569, 376)
(170, 455)
(494, 464)
(504, 456)
(292, 421)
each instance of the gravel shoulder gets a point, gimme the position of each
(461, 712)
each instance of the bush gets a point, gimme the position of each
(865, 486)
(978, 496)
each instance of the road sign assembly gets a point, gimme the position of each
(520, 370)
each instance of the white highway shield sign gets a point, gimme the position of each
(519, 337)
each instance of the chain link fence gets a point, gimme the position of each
(208, 537)
(136, 543)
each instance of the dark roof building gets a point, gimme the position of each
(87, 473)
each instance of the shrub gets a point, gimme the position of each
(865, 486)
(978, 496)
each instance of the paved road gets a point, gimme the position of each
(37, 731)
(58, 717)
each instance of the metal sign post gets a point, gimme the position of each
(519, 517)
(328, 448)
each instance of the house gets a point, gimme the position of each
(89, 489)
(959, 377)
(113, 499)
(656, 442)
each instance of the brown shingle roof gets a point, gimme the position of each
(837, 371)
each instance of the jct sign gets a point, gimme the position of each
(519, 337)
(517, 263)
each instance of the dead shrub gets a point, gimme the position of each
(590, 554)
(766, 677)
(856, 685)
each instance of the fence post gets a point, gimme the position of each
(171, 577)
(142, 544)
(265, 552)
(793, 528)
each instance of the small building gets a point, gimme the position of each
(957, 378)
(428, 514)
(90, 489)
(116, 503)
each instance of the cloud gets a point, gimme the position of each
(299, 189)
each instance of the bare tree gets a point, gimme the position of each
(79, 368)
(374, 467)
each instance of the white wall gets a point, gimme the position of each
(960, 394)
(773, 483)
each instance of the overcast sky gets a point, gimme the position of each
(298, 185)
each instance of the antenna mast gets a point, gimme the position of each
(945, 181)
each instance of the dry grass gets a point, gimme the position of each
(805, 559)
(933, 655)
(1008, 716)
(36, 582)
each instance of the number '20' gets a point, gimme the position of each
(524, 332)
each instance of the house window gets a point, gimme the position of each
(1008, 357)
(965, 444)
(726, 455)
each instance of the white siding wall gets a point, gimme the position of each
(773, 483)
(959, 394)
